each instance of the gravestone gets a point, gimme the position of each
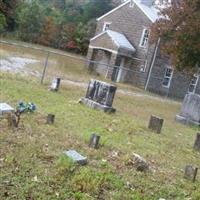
(100, 95)
(155, 124)
(197, 143)
(140, 163)
(190, 110)
(50, 118)
(76, 157)
(55, 84)
(190, 172)
(94, 141)
(5, 109)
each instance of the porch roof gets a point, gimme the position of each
(119, 42)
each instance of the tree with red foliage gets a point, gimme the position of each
(179, 31)
(49, 33)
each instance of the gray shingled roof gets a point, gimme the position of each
(120, 40)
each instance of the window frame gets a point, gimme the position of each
(195, 85)
(143, 40)
(168, 77)
(131, 4)
(104, 26)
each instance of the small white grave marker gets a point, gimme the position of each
(76, 157)
(5, 109)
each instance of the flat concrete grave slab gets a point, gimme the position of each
(76, 157)
(6, 109)
(155, 124)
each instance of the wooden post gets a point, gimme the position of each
(50, 118)
(94, 141)
(197, 143)
(12, 121)
(45, 67)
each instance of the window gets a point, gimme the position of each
(193, 84)
(167, 77)
(142, 68)
(144, 38)
(106, 26)
(131, 5)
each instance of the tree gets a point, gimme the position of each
(96, 8)
(2, 23)
(49, 33)
(7, 9)
(179, 30)
(30, 19)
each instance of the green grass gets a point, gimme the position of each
(32, 165)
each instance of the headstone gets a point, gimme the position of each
(55, 84)
(76, 157)
(100, 95)
(140, 163)
(5, 109)
(190, 110)
(155, 124)
(50, 118)
(197, 143)
(94, 141)
(190, 172)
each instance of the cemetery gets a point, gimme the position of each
(107, 146)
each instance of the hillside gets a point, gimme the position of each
(33, 167)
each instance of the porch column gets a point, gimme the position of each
(111, 65)
(89, 64)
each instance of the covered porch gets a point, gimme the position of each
(107, 54)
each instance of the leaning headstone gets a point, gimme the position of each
(55, 84)
(94, 141)
(76, 157)
(100, 95)
(197, 143)
(190, 110)
(50, 118)
(190, 172)
(155, 124)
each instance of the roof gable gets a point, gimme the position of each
(119, 40)
(150, 11)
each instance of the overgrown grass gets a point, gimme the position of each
(33, 167)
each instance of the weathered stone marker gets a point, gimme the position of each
(76, 157)
(100, 95)
(94, 141)
(50, 118)
(155, 124)
(190, 111)
(140, 163)
(197, 143)
(55, 84)
(190, 172)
